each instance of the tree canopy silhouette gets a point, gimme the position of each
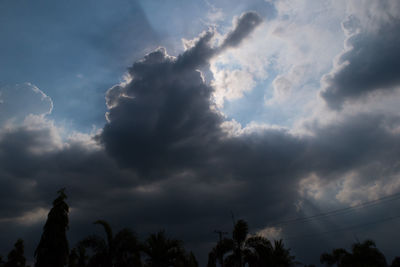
(77, 257)
(16, 256)
(164, 252)
(53, 249)
(281, 256)
(244, 250)
(125, 250)
(363, 254)
(121, 250)
(395, 262)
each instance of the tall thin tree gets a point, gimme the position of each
(53, 249)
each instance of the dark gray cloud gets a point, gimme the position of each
(162, 127)
(165, 113)
(170, 114)
(244, 25)
(171, 141)
(353, 143)
(255, 175)
(371, 64)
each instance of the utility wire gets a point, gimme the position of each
(344, 229)
(341, 211)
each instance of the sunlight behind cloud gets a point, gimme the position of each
(285, 59)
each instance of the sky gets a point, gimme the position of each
(177, 115)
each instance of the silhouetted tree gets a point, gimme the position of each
(212, 259)
(231, 251)
(223, 247)
(163, 252)
(366, 254)
(253, 251)
(190, 260)
(53, 250)
(16, 256)
(127, 249)
(259, 251)
(73, 258)
(363, 255)
(186, 260)
(120, 251)
(77, 257)
(281, 256)
(338, 256)
(395, 262)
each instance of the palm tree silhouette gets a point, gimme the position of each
(120, 251)
(224, 246)
(281, 256)
(162, 251)
(241, 251)
(259, 251)
(254, 251)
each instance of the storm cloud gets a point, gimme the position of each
(168, 158)
(370, 63)
(165, 113)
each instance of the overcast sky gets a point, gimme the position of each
(175, 114)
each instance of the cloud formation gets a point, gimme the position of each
(164, 113)
(167, 157)
(18, 101)
(370, 62)
(164, 127)
(244, 25)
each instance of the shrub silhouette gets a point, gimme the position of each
(16, 256)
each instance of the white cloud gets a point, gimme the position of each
(31, 217)
(231, 85)
(311, 187)
(214, 14)
(287, 56)
(282, 89)
(358, 185)
(271, 233)
(21, 100)
(373, 13)
(357, 188)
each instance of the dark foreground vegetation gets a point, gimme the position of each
(123, 249)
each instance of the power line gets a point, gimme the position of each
(341, 211)
(344, 229)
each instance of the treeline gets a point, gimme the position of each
(123, 249)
